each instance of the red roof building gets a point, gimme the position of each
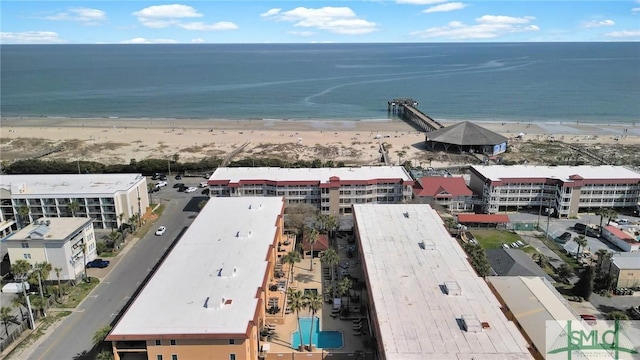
(486, 219)
(450, 192)
(620, 238)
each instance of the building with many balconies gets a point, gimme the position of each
(102, 197)
(331, 190)
(58, 241)
(565, 190)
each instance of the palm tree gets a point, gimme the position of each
(100, 335)
(83, 246)
(291, 258)
(43, 269)
(330, 258)
(23, 212)
(542, 260)
(311, 238)
(617, 315)
(120, 217)
(332, 225)
(113, 236)
(296, 302)
(313, 302)
(582, 242)
(58, 272)
(611, 214)
(344, 286)
(20, 269)
(104, 355)
(74, 206)
(602, 212)
(39, 304)
(5, 318)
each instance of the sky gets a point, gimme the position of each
(289, 21)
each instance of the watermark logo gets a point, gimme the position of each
(597, 340)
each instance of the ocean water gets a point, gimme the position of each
(537, 82)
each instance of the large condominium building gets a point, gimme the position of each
(567, 190)
(58, 241)
(102, 197)
(426, 301)
(207, 299)
(332, 190)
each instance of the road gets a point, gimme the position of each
(72, 338)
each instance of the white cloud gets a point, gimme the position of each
(486, 27)
(271, 12)
(420, 2)
(86, 16)
(338, 20)
(624, 34)
(167, 11)
(445, 7)
(598, 23)
(301, 33)
(163, 16)
(197, 41)
(635, 10)
(200, 26)
(140, 40)
(30, 37)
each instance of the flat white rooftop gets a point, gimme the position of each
(533, 302)
(58, 228)
(627, 261)
(208, 284)
(410, 260)
(497, 172)
(65, 184)
(236, 174)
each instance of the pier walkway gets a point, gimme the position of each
(407, 109)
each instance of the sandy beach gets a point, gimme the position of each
(112, 140)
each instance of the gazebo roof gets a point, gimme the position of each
(466, 133)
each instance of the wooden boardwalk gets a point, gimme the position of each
(407, 109)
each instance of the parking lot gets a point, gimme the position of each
(559, 226)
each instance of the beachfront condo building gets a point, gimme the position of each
(58, 241)
(109, 199)
(208, 298)
(564, 190)
(425, 299)
(331, 190)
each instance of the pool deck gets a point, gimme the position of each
(306, 279)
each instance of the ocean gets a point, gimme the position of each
(532, 82)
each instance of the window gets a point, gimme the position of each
(158, 342)
(158, 357)
(174, 356)
(27, 256)
(24, 245)
(173, 342)
(232, 341)
(232, 356)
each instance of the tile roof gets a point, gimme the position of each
(437, 186)
(514, 262)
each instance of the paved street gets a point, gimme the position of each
(72, 337)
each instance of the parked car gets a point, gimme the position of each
(204, 184)
(505, 246)
(205, 191)
(98, 263)
(589, 319)
(566, 236)
(583, 229)
(161, 230)
(191, 189)
(177, 185)
(161, 184)
(178, 177)
(623, 221)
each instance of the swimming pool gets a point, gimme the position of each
(320, 339)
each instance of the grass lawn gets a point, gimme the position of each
(570, 260)
(493, 239)
(78, 293)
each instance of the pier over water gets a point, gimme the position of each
(407, 109)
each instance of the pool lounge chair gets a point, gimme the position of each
(357, 327)
(358, 333)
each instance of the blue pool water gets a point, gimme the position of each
(320, 339)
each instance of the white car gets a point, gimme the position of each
(161, 230)
(204, 184)
(162, 184)
(191, 189)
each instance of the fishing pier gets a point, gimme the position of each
(407, 109)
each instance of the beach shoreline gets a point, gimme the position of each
(119, 140)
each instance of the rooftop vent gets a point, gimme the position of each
(471, 324)
(406, 214)
(427, 245)
(48, 222)
(452, 288)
